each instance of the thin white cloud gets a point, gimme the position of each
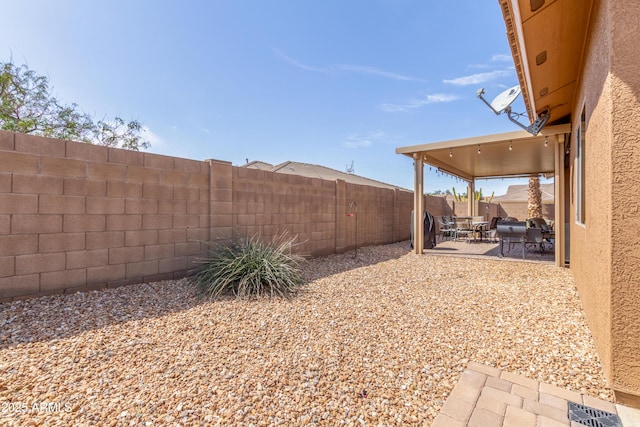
(417, 103)
(359, 141)
(498, 57)
(297, 63)
(501, 57)
(378, 72)
(479, 66)
(155, 140)
(345, 67)
(478, 78)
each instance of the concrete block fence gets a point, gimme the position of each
(75, 216)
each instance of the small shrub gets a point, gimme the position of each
(250, 267)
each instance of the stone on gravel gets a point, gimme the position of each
(380, 339)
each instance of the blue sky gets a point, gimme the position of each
(326, 82)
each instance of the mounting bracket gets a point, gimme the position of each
(502, 103)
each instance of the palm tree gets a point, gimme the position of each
(534, 208)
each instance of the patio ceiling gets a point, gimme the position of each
(460, 157)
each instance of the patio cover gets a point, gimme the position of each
(490, 156)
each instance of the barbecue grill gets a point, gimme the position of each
(512, 232)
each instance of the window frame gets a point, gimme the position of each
(581, 169)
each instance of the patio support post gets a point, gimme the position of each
(559, 195)
(418, 203)
(471, 197)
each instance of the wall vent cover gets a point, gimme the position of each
(536, 4)
(592, 417)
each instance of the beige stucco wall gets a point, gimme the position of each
(604, 253)
(591, 242)
(625, 278)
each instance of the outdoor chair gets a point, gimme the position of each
(545, 230)
(538, 223)
(535, 237)
(493, 227)
(462, 228)
(445, 228)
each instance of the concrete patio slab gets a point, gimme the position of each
(492, 249)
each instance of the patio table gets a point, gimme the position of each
(462, 227)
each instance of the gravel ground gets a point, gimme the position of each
(376, 340)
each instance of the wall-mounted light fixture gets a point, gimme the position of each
(546, 141)
(450, 153)
(510, 146)
(478, 149)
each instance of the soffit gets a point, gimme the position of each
(547, 40)
(528, 156)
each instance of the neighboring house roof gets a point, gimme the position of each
(256, 164)
(520, 193)
(317, 171)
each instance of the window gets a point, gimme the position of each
(580, 166)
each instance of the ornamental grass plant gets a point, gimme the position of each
(250, 267)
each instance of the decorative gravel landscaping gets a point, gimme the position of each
(380, 339)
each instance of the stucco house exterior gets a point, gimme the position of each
(579, 59)
(579, 62)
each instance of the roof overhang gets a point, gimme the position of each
(529, 155)
(547, 39)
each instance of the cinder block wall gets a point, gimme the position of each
(375, 221)
(75, 216)
(322, 214)
(504, 209)
(267, 204)
(437, 205)
(520, 209)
